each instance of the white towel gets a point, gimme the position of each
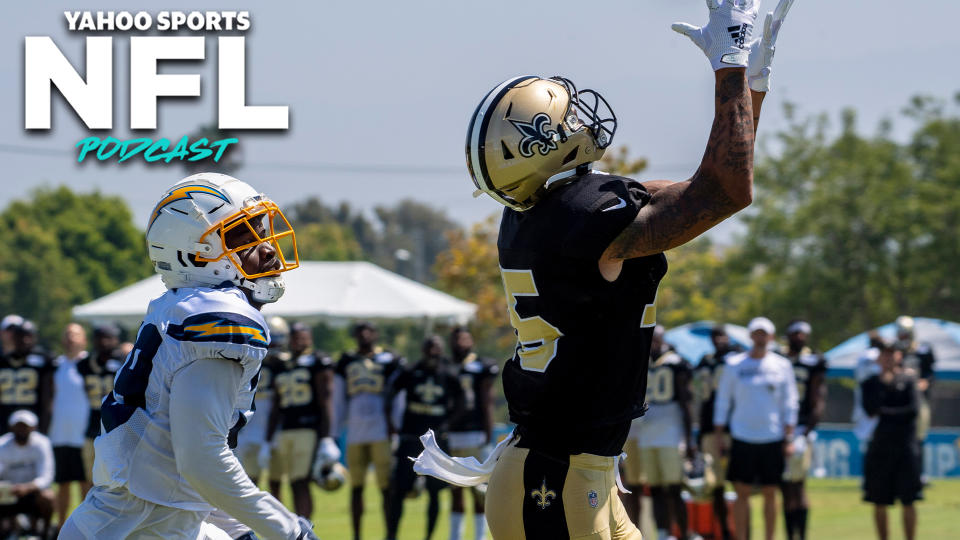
(459, 471)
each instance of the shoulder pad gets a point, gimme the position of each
(924, 348)
(473, 367)
(670, 358)
(221, 327)
(811, 359)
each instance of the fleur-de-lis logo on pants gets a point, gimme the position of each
(543, 495)
(536, 132)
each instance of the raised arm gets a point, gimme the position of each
(723, 184)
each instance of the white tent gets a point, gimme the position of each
(333, 292)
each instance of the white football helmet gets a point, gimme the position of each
(204, 221)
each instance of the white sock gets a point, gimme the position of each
(456, 525)
(479, 527)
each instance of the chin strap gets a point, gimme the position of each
(266, 289)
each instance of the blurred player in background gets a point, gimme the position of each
(706, 377)
(665, 426)
(892, 464)
(810, 370)
(68, 423)
(26, 472)
(472, 434)
(758, 394)
(252, 447)
(434, 398)
(303, 412)
(26, 375)
(164, 462)
(361, 379)
(98, 371)
(8, 326)
(918, 358)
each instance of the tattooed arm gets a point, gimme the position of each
(679, 212)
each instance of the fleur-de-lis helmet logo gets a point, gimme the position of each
(536, 132)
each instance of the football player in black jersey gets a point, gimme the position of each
(98, 370)
(810, 370)
(662, 430)
(706, 376)
(434, 399)
(302, 410)
(26, 378)
(581, 255)
(473, 432)
(919, 359)
(361, 378)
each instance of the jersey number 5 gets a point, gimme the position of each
(537, 337)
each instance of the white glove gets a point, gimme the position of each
(725, 39)
(263, 456)
(762, 48)
(327, 452)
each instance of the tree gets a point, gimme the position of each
(65, 249)
(469, 269)
(853, 230)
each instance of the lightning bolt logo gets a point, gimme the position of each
(220, 328)
(184, 192)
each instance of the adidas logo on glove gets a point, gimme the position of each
(739, 33)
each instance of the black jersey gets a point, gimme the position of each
(806, 365)
(669, 372)
(706, 377)
(579, 372)
(919, 357)
(432, 395)
(473, 372)
(98, 372)
(895, 403)
(293, 382)
(366, 373)
(21, 383)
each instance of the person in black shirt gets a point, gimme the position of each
(705, 377)
(891, 468)
(98, 370)
(26, 378)
(472, 434)
(434, 399)
(810, 370)
(302, 412)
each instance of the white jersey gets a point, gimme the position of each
(181, 327)
(762, 394)
(31, 462)
(71, 407)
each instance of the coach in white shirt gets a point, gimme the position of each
(26, 472)
(757, 398)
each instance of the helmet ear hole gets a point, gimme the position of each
(507, 154)
(193, 260)
(572, 155)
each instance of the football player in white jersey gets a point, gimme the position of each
(163, 460)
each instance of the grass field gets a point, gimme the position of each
(836, 512)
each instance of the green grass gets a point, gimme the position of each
(836, 512)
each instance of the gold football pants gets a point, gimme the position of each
(533, 496)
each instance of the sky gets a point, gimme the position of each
(380, 93)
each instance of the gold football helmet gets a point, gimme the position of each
(529, 129)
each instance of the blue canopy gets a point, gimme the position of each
(942, 336)
(692, 340)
